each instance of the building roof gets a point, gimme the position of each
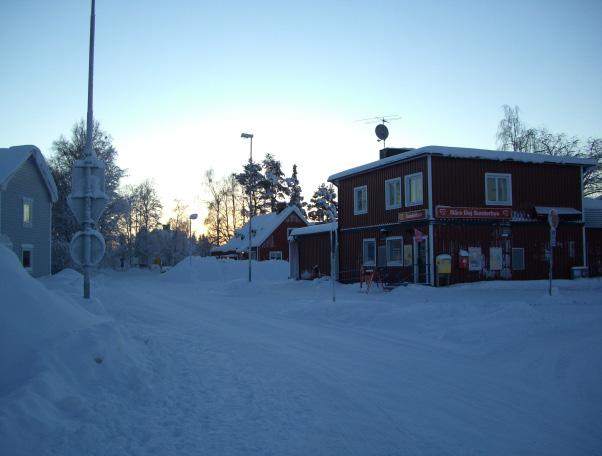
(314, 229)
(545, 210)
(13, 157)
(262, 227)
(461, 152)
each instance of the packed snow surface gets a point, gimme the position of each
(200, 361)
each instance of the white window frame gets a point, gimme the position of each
(397, 205)
(27, 248)
(394, 262)
(523, 255)
(356, 210)
(497, 176)
(364, 242)
(272, 252)
(29, 202)
(407, 180)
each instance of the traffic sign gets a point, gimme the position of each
(77, 247)
(83, 188)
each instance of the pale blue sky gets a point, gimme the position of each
(177, 82)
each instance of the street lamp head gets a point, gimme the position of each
(246, 135)
(193, 216)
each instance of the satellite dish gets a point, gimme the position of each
(382, 132)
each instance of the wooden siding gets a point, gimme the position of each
(351, 251)
(28, 182)
(375, 181)
(314, 250)
(594, 251)
(461, 182)
(450, 238)
(278, 240)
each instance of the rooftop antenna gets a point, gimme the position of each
(381, 130)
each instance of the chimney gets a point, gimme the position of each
(390, 151)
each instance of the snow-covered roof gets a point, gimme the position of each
(13, 157)
(314, 229)
(262, 227)
(545, 210)
(461, 152)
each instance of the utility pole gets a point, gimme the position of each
(88, 199)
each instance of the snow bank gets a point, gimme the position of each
(211, 269)
(54, 356)
(30, 316)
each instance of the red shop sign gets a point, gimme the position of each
(498, 213)
(411, 215)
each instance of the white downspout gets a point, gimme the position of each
(584, 250)
(430, 221)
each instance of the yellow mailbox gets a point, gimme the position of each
(443, 263)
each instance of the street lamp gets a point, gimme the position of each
(190, 219)
(250, 137)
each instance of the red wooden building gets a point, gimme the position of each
(486, 209)
(269, 236)
(593, 233)
(311, 249)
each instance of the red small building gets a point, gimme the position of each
(484, 210)
(269, 236)
(311, 249)
(593, 233)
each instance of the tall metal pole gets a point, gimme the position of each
(250, 207)
(89, 153)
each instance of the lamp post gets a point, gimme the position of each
(190, 219)
(250, 137)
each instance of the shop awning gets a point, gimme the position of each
(545, 210)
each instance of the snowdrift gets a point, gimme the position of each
(210, 269)
(30, 316)
(54, 354)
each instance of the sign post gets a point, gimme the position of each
(553, 220)
(88, 199)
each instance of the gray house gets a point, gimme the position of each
(27, 191)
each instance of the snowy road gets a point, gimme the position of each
(267, 369)
(197, 362)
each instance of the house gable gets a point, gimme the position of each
(26, 189)
(277, 241)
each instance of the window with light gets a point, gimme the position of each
(413, 184)
(393, 193)
(498, 189)
(360, 200)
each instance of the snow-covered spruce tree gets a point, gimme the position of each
(323, 205)
(273, 184)
(294, 189)
(250, 180)
(512, 134)
(65, 152)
